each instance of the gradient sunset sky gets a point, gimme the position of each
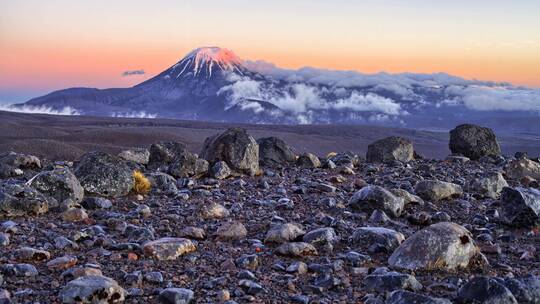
(55, 44)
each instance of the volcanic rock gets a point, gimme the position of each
(474, 141)
(390, 149)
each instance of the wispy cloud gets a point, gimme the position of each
(133, 72)
(39, 110)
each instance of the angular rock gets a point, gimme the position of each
(168, 248)
(11, 162)
(296, 249)
(390, 149)
(407, 297)
(490, 185)
(187, 164)
(308, 160)
(284, 233)
(375, 197)
(220, 170)
(474, 141)
(274, 152)
(92, 289)
(382, 280)
(213, 210)
(175, 296)
(435, 190)
(520, 168)
(440, 246)
(485, 290)
(162, 183)
(104, 175)
(60, 184)
(235, 147)
(20, 199)
(91, 203)
(521, 206)
(325, 236)
(192, 233)
(379, 236)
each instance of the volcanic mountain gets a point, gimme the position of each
(214, 84)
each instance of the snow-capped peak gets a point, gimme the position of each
(204, 61)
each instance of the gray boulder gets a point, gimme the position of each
(104, 175)
(92, 289)
(390, 149)
(440, 246)
(235, 147)
(60, 184)
(521, 206)
(274, 152)
(375, 197)
(474, 141)
(20, 199)
(164, 153)
(188, 164)
(162, 183)
(378, 236)
(483, 290)
(435, 190)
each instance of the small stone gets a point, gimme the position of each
(62, 263)
(375, 197)
(296, 249)
(74, 215)
(175, 296)
(382, 280)
(308, 161)
(87, 289)
(231, 231)
(485, 290)
(31, 254)
(435, 190)
(213, 210)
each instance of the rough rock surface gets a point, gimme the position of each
(138, 156)
(169, 248)
(104, 175)
(19, 199)
(520, 168)
(390, 149)
(274, 152)
(308, 161)
(439, 246)
(92, 289)
(60, 184)
(474, 141)
(235, 147)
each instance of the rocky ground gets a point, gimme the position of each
(251, 222)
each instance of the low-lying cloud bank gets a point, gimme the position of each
(39, 110)
(310, 89)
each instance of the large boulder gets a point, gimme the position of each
(390, 149)
(474, 141)
(92, 289)
(520, 168)
(435, 190)
(274, 152)
(104, 175)
(236, 147)
(521, 206)
(375, 197)
(19, 200)
(164, 153)
(60, 184)
(440, 246)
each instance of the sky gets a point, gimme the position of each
(55, 44)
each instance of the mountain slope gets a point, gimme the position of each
(216, 85)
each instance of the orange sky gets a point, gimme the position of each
(48, 45)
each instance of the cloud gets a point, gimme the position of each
(141, 114)
(39, 110)
(133, 72)
(369, 102)
(496, 98)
